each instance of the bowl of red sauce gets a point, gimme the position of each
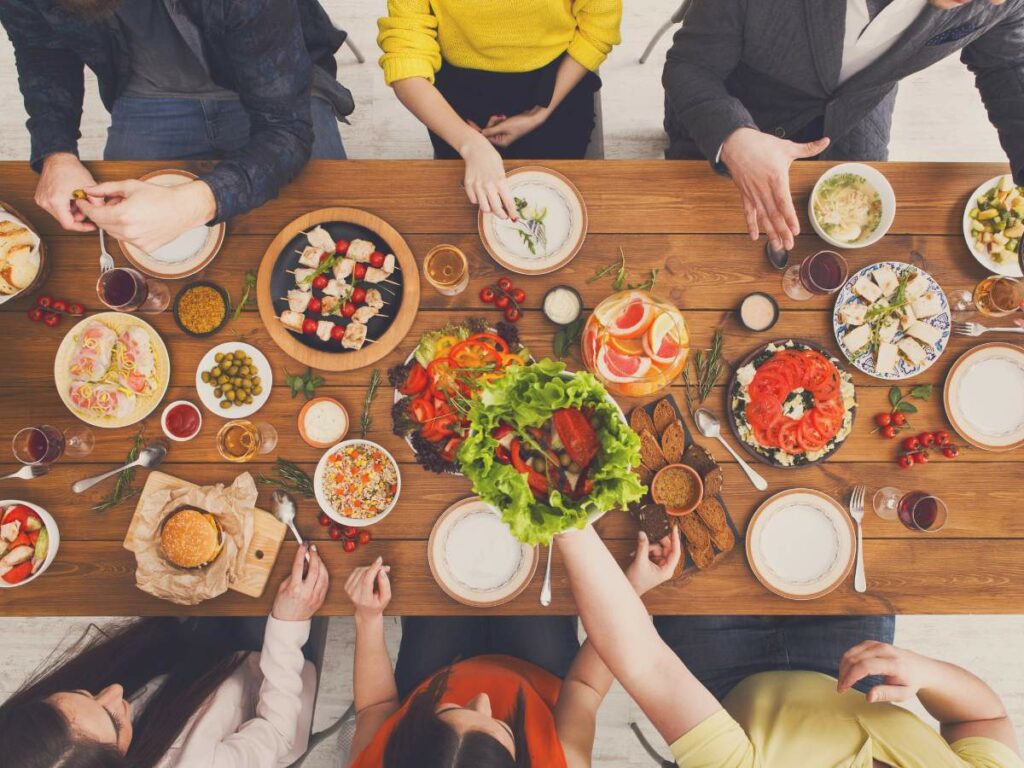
(181, 420)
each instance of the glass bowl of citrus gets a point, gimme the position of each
(635, 344)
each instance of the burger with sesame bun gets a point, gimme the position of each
(191, 538)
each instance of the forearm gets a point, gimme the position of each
(373, 679)
(570, 73)
(421, 98)
(954, 695)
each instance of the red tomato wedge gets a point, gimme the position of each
(415, 381)
(789, 437)
(422, 409)
(577, 435)
(826, 425)
(764, 412)
(809, 436)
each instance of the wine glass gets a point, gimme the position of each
(242, 440)
(819, 274)
(917, 510)
(45, 444)
(124, 289)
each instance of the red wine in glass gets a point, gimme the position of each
(920, 511)
(127, 290)
(819, 274)
(38, 445)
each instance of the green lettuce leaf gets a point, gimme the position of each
(527, 396)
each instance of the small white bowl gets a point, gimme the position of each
(327, 507)
(163, 421)
(885, 192)
(52, 532)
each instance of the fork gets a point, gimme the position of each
(976, 329)
(860, 582)
(106, 260)
(28, 472)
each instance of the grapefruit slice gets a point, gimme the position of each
(609, 309)
(624, 346)
(632, 320)
(590, 343)
(663, 342)
(619, 368)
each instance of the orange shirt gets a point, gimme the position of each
(501, 678)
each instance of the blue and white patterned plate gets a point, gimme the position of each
(866, 361)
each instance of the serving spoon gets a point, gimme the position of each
(709, 426)
(283, 505)
(150, 456)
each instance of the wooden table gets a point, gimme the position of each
(673, 215)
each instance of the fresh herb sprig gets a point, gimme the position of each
(250, 283)
(288, 476)
(123, 489)
(901, 403)
(322, 268)
(371, 390)
(531, 229)
(707, 369)
(567, 335)
(622, 275)
(306, 384)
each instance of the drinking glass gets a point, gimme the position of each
(45, 444)
(999, 296)
(241, 440)
(447, 269)
(917, 510)
(819, 274)
(124, 289)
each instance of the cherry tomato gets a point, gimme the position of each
(348, 309)
(921, 457)
(349, 531)
(335, 532)
(502, 301)
(883, 419)
(364, 537)
(512, 314)
(942, 438)
(358, 295)
(518, 295)
(44, 301)
(927, 439)
(52, 320)
(309, 326)
(315, 305)
(899, 419)
(76, 309)
(324, 520)
(359, 271)
(889, 432)
(911, 444)
(348, 545)
(59, 306)
(341, 246)
(320, 282)
(505, 284)
(377, 259)
(337, 332)
(951, 451)
(35, 314)
(905, 462)
(487, 294)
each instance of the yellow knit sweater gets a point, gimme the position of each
(494, 35)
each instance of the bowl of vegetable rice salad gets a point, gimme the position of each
(357, 483)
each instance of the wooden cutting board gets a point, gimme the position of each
(268, 534)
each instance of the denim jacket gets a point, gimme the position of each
(264, 50)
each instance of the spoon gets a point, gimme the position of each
(28, 472)
(709, 427)
(283, 505)
(545, 590)
(150, 456)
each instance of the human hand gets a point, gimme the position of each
(759, 164)
(62, 174)
(654, 564)
(369, 589)
(502, 131)
(149, 215)
(298, 597)
(485, 181)
(905, 672)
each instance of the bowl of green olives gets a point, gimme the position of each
(234, 380)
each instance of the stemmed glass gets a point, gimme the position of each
(819, 274)
(45, 444)
(917, 510)
(124, 289)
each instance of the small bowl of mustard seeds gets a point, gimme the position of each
(679, 488)
(201, 309)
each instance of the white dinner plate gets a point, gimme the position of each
(546, 194)
(475, 558)
(263, 370)
(984, 396)
(1009, 268)
(801, 544)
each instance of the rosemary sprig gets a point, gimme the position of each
(707, 369)
(288, 476)
(371, 390)
(123, 490)
(250, 283)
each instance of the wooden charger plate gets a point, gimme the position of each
(342, 360)
(268, 534)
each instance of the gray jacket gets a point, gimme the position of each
(774, 65)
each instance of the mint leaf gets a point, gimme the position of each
(921, 391)
(904, 407)
(895, 396)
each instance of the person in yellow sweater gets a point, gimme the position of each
(499, 78)
(786, 719)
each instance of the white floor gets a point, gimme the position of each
(938, 117)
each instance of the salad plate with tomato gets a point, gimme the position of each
(434, 387)
(28, 542)
(791, 403)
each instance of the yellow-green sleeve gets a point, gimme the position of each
(408, 38)
(597, 31)
(718, 742)
(979, 752)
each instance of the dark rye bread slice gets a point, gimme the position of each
(640, 421)
(673, 442)
(650, 452)
(712, 513)
(652, 520)
(681, 566)
(645, 474)
(700, 459)
(698, 540)
(664, 414)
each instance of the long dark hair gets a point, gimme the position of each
(35, 734)
(421, 739)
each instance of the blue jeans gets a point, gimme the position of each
(722, 651)
(199, 129)
(431, 643)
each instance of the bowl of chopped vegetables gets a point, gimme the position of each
(357, 483)
(994, 225)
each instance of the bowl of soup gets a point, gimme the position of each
(852, 206)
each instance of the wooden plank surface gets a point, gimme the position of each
(676, 217)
